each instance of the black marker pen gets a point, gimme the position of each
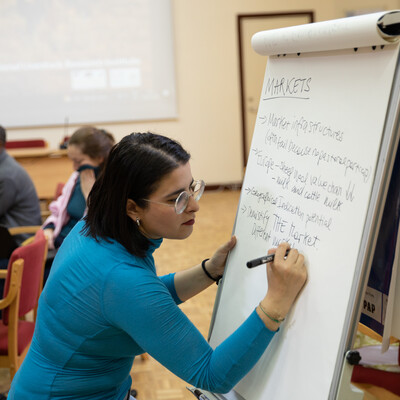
(263, 260)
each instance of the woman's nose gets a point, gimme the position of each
(193, 205)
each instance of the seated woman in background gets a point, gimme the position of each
(88, 149)
(104, 303)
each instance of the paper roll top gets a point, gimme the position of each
(352, 32)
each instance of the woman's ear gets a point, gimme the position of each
(132, 210)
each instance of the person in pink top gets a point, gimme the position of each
(88, 150)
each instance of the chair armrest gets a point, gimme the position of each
(3, 273)
(16, 230)
(15, 283)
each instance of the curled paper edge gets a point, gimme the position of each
(352, 32)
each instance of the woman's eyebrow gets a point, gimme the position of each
(178, 191)
(174, 193)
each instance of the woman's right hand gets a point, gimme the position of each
(49, 233)
(286, 277)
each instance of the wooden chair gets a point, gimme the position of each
(16, 332)
(17, 230)
(11, 301)
(32, 229)
(7, 240)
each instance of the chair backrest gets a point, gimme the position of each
(33, 255)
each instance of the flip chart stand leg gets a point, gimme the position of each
(346, 391)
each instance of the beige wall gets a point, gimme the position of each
(206, 54)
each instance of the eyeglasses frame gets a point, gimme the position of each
(189, 195)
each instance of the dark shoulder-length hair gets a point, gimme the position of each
(133, 170)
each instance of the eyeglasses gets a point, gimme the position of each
(196, 190)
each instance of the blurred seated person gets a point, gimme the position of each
(19, 203)
(88, 149)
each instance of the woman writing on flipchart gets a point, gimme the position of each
(104, 303)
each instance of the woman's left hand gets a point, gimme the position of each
(216, 264)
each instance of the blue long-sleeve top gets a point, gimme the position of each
(100, 308)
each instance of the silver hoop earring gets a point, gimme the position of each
(137, 221)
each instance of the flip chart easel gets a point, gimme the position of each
(319, 166)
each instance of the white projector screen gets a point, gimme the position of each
(78, 61)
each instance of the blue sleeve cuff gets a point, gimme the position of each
(254, 315)
(169, 282)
